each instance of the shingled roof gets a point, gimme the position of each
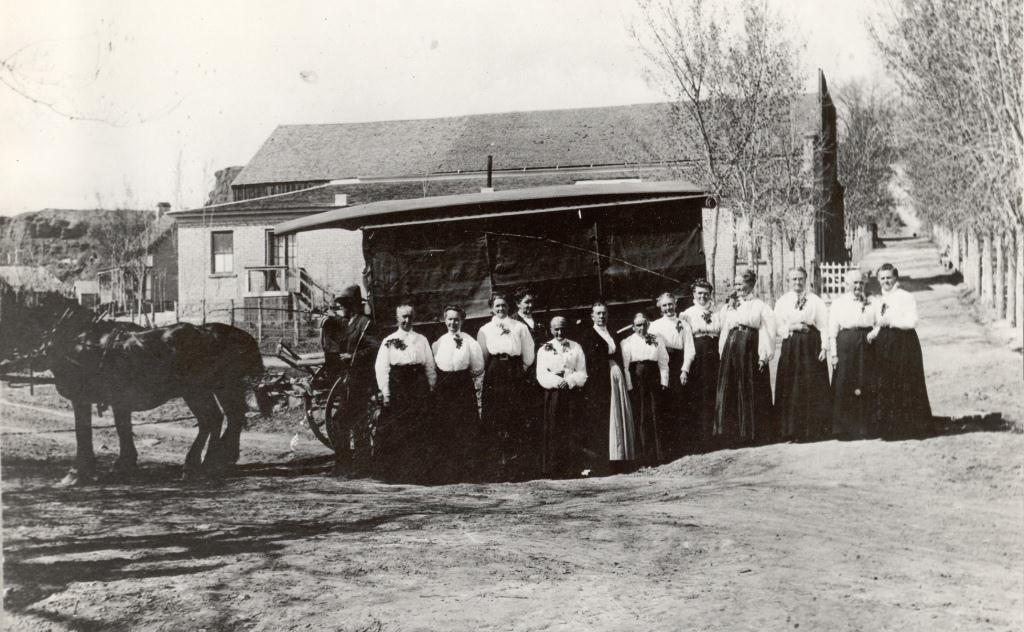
(518, 140)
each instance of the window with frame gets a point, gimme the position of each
(223, 252)
(280, 250)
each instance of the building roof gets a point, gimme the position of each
(34, 278)
(472, 205)
(579, 137)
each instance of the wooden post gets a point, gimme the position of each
(259, 320)
(152, 313)
(232, 311)
(203, 305)
(295, 319)
(177, 314)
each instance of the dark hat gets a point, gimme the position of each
(350, 295)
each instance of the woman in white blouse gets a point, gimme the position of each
(743, 405)
(702, 382)
(803, 399)
(676, 431)
(508, 352)
(561, 372)
(611, 436)
(646, 362)
(460, 366)
(405, 376)
(903, 406)
(850, 319)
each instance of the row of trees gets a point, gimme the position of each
(959, 69)
(735, 76)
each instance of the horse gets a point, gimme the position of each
(130, 368)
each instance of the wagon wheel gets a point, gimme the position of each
(346, 415)
(312, 392)
(318, 424)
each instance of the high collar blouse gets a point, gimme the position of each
(813, 313)
(897, 308)
(403, 348)
(561, 360)
(458, 352)
(676, 334)
(848, 313)
(639, 348)
(751, 312)
(506, 335)
(703, 322)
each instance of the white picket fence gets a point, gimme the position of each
(833, 278)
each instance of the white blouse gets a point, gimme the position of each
(695, 318)
(847, 313)
(561, 360)
(506, 335)
(897, 308)
(603, 332)
(677, 336)
(637, 349)
(399, 349)
(450, 357)
(813, 313)
(752, 313)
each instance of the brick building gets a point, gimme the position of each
(230, 256)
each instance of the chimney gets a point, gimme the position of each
(341, 199)
(162, 209)
(490, 170)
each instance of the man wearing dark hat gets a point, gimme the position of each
(348, 334)
(349, 339)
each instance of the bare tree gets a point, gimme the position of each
(730, 89)
(868, 152)
(122, 240)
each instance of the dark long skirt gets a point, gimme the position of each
(853, 386)
(675, 428)
(803, 398)
(596, 406)
(743, 404)
(503, 412)
(562, 434)
(405, 423)
(456, 422)
(702, 388)
(903, 407)
(645, 400)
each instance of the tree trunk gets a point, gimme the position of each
(1012, 237)
(973, 276)
(955, 253)
(1000, 277)
(771, 261)
(986, 270)
(1018, 285)
(714, 248)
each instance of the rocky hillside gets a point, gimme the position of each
(56, 238)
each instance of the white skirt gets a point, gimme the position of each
(621, 431)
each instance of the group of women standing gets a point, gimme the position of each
(690, 381)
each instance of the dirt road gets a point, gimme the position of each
(871, 535)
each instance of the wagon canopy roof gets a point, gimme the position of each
(472, 205)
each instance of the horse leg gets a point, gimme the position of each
(84, 470)
(232, 401)
(204, 407)
(127, 457)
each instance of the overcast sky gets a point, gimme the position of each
(181, 89)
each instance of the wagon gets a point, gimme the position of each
(621, 242)
(334, 416)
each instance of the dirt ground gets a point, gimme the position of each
(869, 535)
